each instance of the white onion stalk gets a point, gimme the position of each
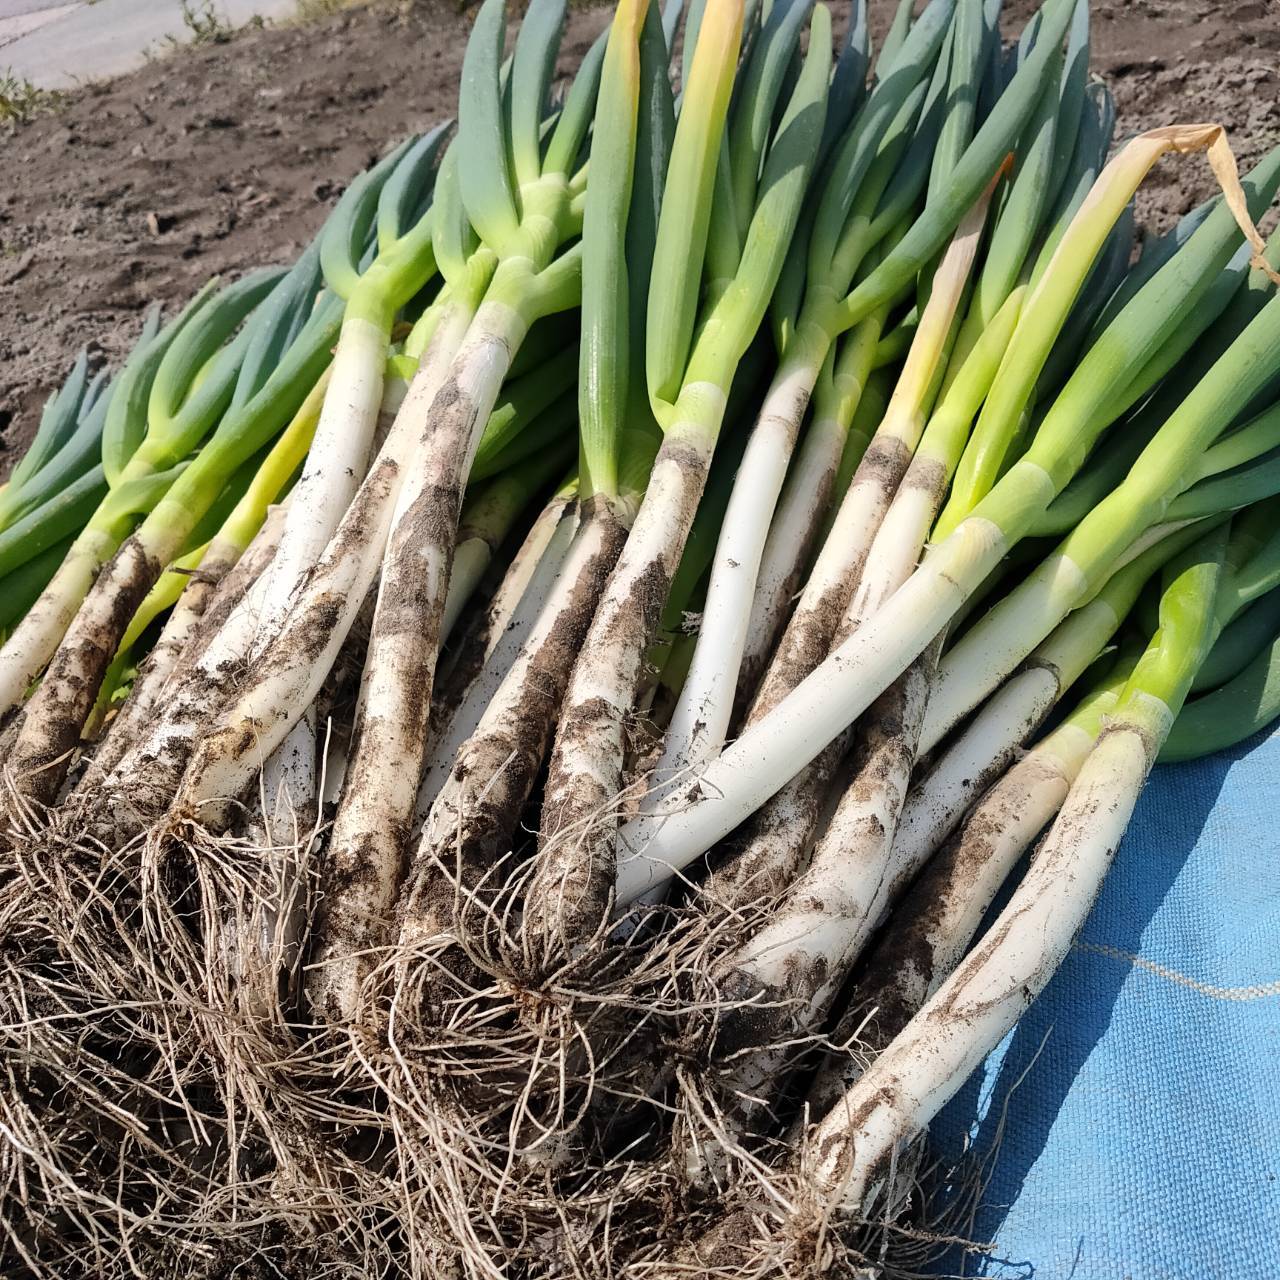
(701, 717)
(849, 1154)
(777, 746)
(865, 206)
(920, 1070)
(487, 519)
(972, 1010)
(904, 531)
(512, 618)
(475, 812)
(326, 487)
(367, 842)
(264, 952)
(937, 919)
(524, 225)
(461, 666)
(758, 561)
(838, 568)
(290, 673)
(762, 548)
(288, 802)
(783, 829)
(586, 765)
(241, 552)
(150, 775)
(690, 363)
(990, 742)
(804, 504)
(784, 977)
(286, 777)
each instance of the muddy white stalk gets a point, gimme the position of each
(586, 767)
(805, 502)
(775, 509)
(524, 228)
(991, 741)
(292, 668)
(756, 575)
(61, 705)
(780, 834)
(354, 422)
(222, 554)
(835, 575)
(832, 259)
(474, 816)
(286, 767)
(899, 542)
(150, 776)
(182, 640)
(688, 380)
(921, 1069)
(502, 637)
(542, 551)
(475, 813)
(777, 746)
(967, 1016)
(488, 518)
(142, 442)
(287, 808)
(784, 977)
(932, 928)
(782, 831)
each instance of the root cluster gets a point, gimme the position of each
(168, 1110)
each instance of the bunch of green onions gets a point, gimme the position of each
(690, 526)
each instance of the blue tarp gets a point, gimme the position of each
(1142, 1139)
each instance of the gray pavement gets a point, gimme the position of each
(59, 43)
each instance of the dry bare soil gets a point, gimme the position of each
(226, 156)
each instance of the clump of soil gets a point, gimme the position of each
(227, 156)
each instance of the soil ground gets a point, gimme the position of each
(224, 156)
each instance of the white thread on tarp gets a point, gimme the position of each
(1258, 992)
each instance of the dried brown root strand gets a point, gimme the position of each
(534, 1069)
(777, 1226)
(180, 1136)
(117, 1150)
(265, 918)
